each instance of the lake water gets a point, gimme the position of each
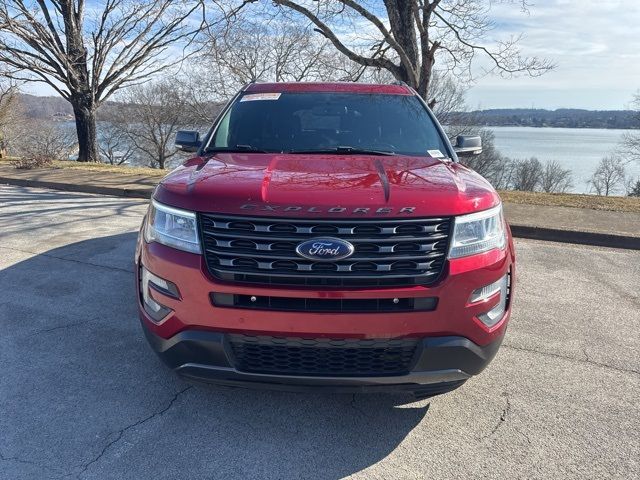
(578, 149)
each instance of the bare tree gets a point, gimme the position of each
(609, 176)
(630, 145)
(493, 166)
(9, 110)
(269, 50)
(554, 178)
(633, 188)
(114, 144)
(451, 102)
(88, 52)
(412, 34)
(526, 174)
(246, 49)
(150, 115)
(43, 139)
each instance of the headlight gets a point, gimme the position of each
(477, 233)
(172, 227)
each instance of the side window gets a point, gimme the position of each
(222, 135)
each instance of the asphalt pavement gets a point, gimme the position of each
(83, 396)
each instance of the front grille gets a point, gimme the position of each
(263, 250)
(322, 356)
(325, 305)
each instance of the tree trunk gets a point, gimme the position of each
(426, 69)
(401, 22)
(86, 129)
(400, 15)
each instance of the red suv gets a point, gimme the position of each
(325, 236)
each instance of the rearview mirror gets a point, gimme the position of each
(467, 145)
(188, 140)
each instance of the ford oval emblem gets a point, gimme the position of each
(325, 249)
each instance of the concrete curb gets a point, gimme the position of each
(521, 231)
(74, 187)
(573, 236)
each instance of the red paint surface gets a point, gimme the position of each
(229, 181)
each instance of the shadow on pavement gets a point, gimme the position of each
(81, 393)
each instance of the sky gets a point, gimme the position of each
(594, 43)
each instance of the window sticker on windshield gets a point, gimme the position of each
(435, 153)
(260, 96)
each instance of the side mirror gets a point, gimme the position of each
(467, 146)
(187, 140)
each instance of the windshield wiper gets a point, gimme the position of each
(237, 148)
(344, 151)
(335, 150)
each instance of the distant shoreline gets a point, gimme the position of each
(561, 118)
(556, 126)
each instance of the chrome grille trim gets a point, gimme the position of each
(404, 251)
(312, 230)
(289, 257)
(351, 239)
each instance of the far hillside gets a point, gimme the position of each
(58, 109)
(37, 107)
(564, 117)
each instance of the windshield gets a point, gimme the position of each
(329, 122)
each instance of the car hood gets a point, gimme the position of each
(325, 186)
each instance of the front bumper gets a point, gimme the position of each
(441, 364)
(453, 345)
(454, 315)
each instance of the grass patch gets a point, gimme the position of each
(106, 168)
(100, 167)
(594, 202)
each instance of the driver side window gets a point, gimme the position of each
(222, 135)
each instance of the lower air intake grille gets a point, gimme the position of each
(322, 356)
(325, 305)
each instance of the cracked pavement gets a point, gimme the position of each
(82, 395)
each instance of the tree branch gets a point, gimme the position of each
(341, 47)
